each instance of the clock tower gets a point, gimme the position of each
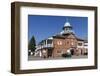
(67, 29)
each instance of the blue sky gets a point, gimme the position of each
(43, 27)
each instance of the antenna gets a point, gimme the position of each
(66, 19)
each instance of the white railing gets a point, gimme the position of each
(80, 46)
(48, 45)
(44, 46)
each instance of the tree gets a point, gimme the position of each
(32, 45)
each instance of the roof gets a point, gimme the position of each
(82, 40)
(63, 36)
(67, 24)
(59, 36)
(50, 38)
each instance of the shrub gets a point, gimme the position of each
(66, 55)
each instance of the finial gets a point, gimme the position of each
(67, 23)
(66, 19)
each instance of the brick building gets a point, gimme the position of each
(64, 42)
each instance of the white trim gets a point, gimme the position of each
(25, 64)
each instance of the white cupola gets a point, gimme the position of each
(67, 29)
(67, 24)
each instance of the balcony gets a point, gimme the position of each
(44, 46)
(47, 46)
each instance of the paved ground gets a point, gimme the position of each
(73, 57)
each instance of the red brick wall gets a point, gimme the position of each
(58, 49)
(66, 44)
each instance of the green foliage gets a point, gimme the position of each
(66, 55)
(32, 44)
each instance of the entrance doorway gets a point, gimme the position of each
(49, 53)
(72, 51)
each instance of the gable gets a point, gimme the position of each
(71, 36)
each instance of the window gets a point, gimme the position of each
(67, 42)
(58, 51)
(80, 44)
(85, 45)
(72, 43)
(49, 41)
(59, 42)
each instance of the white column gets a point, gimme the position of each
(46, 42)
(52, 42)
(40, 53)
(43, 43)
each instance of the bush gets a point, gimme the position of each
(66, 55)
(85, 53)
